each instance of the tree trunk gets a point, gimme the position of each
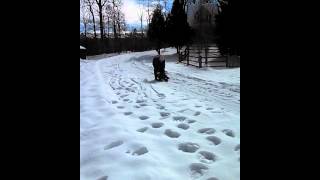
(101, 22)
(94, 22)
(85, 29)
(104, 28)
(114, 29)
(141, 27)
(118, 23)
(148, 11)
(114, 20)
(108, 22)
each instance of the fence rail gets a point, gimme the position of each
(200, 56)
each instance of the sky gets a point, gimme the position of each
(131, 10)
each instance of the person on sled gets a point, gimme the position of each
(159, 64)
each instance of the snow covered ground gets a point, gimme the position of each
(133, 128)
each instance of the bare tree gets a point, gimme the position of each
(108, 17)
(85, 21)
(100, 5)
(140, 15)
(149, 11)
(165, 6)
(90, 5)
(114, 6)
(116, 17)
(85, 16)
(120, 22)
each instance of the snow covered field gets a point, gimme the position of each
(133, 128)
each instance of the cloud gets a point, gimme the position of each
(131, 11)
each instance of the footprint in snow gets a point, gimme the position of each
(142, 130)
(183, 126)
(139, 101)
(207, 157)
(191, 121)
(157, 125)
(206, 131)
(237, 148)
(103, 178)
(172, 134)
(127, 113)
(198, 169)
(140, 151)
(179, 118)
(215, 140)
(212, 178)
(164, 114)
(228, 132)
(197, 113)
(188, 147)
(160, 107)
(113, 144)
(143, 117)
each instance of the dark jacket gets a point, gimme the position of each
(159, 68)
(158, 65)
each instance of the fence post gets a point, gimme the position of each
(200, 61)
(206, 54)
(188, 56)
(228, 57)
(185, 53)
(227, 63)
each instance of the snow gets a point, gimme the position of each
(133, 128)
(81, 47)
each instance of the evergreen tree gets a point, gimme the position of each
(156, 30)
(178, 30)
(228, 28)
